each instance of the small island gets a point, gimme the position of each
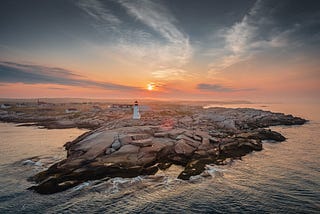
(121, 146)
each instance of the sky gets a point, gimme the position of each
(256, 50)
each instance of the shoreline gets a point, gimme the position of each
(128, 148)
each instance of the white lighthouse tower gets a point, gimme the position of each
(136, 114)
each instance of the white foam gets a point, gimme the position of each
(38, 163)
(27, 162)
(81, 186)
(214, 169)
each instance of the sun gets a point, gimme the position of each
(150, 86)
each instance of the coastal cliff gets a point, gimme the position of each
(190, 138)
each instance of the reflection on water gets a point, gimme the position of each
(17, 143)
(283, 178)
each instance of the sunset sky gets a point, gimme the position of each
(165, 49)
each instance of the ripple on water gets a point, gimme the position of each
(283, 178)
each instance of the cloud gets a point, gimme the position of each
(12, 72)
(268, 26)
(157, 43)
(157, 17)
(170, 74)
(56, 88)
(219, 88)
(44, 71)
(97, 10)
(237, 41)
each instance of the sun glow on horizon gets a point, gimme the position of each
(150, 86)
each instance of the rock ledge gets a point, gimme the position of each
(128, 148)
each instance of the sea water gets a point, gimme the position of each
(282, 178)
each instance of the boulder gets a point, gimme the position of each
(116, 144)
(189, 140)
(109, 151)
(194, 167)
(262, 134)
(173, 134)
(125, 139)
(183, 148)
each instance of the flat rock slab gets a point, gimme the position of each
(142, 143)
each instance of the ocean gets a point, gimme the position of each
(282, 178)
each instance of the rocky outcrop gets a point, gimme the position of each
(128, 148)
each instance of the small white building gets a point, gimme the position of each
(136, 114)
(72, 110)
(5, 106)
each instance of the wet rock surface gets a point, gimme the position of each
(128, 148)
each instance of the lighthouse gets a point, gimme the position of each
(136, 114)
